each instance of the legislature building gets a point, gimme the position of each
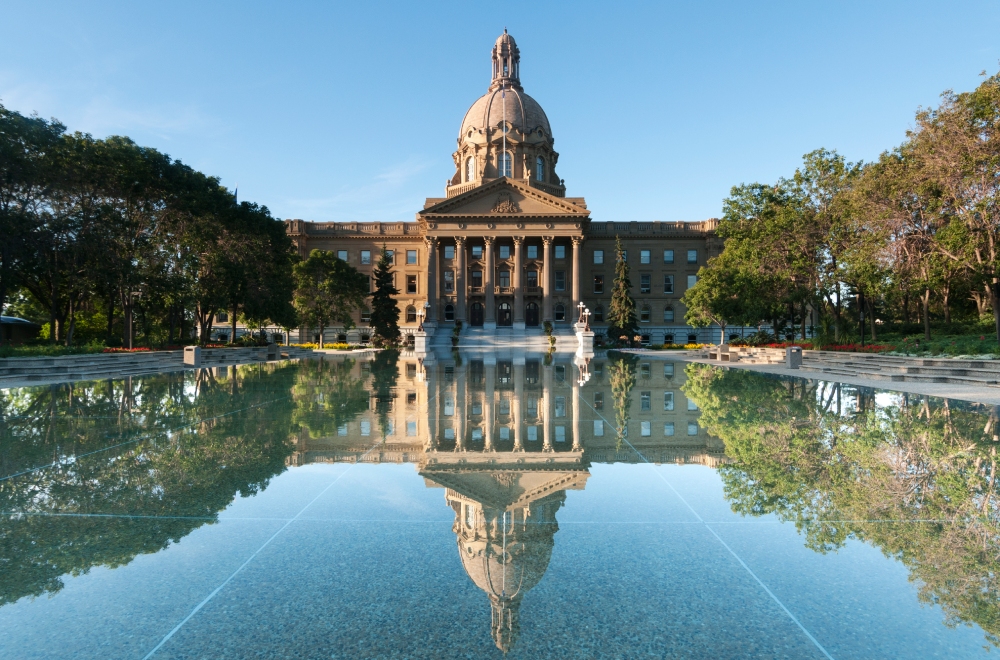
(506, 247)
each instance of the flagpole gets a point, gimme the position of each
(503, 102)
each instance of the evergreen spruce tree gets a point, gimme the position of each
(622, 321)
(385, 312)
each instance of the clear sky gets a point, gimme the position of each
(327, 111)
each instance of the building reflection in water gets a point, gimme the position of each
(506, 438)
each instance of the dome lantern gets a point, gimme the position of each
(506, 63)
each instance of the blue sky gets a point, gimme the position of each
(327, 111)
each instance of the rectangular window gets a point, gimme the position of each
(390, 428)
(560, 433)
(692, 428)
(668, 369)
(644, 256)
(411, 428)
(668, 284)
(222, 317)
(449, 251)
(411, 257)
(668, 256)
(505, 278)
(366, 428)
(560, 252)
(598, 428)
(598, 256)
(342, 255)
(477, 251)
(668, 400)
(505, 252)
(598, 284)
(411, 283)
(449, 407)
(692, 405)
(532, 251)
(477, 433)
(504, 433)
(560, 406)
(342, 429)
(692, 256)
(366, 256)
(366, 315)
(692, 280)
(644, 369)
(532, 278)
(449, 434)
(532, 433)
(668, 429)
(449, 281)
(392, 256)
(624, 255)
(477, 278)
(645, 429)
(644, 283)
(598, 400)
(668, 314)
(532, 407)
(560, 280)
(644, 401)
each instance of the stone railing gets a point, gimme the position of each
(456, 190)
(651, 228)
(363, 228)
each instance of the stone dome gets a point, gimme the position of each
(521, 111)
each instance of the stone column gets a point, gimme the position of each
(515, 405)
(546, 408)
(461, 409)
(547, 278)
(460, 278)
(431, 317)
(490, 371)
(433, 403)
(577, 440)
(490, 313)
(518, 283)
(575, 287)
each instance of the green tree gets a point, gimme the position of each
(622, 321)
(328, 290)
(385, 311)
(717, 297)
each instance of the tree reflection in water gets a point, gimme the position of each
(913, 476)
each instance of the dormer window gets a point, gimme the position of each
(505, 164)
(470, 169)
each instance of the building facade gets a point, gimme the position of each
(505, 246)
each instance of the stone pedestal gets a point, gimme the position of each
(192, 356)
(585, 338)
(420, 341)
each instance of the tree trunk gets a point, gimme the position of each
(72, 323)
(804, 308)
(111, 318)
(322, 331)
(871, 316)
(945, 292)
(906, 307)
(173, 325)
(994, 292)
(232, 339)
(53, 330)
(926, 299)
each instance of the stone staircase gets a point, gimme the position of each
(21, 371)
(505, 338)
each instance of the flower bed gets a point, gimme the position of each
(139, 349)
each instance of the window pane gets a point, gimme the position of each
(644, 256)
(668, 256)
(532, 278)
(668, 397)
(411, 283)
(668, 284)
(532, 433)
(598, 400)
(449, 251)
(449, 281)
(692, 428)
(366, 256)
(560, 406)
(560, 313)
(560, 252)
(505, 278)
(692, 405)
(411, 256)
(560, 434)
(646, 431)
(477, 251)
(560, 280)
(599, 427)
(668, 314)
(644, 401)
(532, 251)
(342, 255)
(598, 284)
(644, 283)
(668, 428)
(505, 252)
(598, 256)
(692, 280)
(668, 369)
(692, 256)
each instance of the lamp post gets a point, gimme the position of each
(586, 319)
(581, 307)
(421, 313)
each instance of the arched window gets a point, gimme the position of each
(411, 314)
(668, 314)
(599, 314)
(449, 312)
(540, 169)
(505, 164)
(560, 313)
(470, 169)
(644, 314)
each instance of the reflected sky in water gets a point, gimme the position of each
(482, 506)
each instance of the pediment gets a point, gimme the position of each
(504, 489)
(505, 197)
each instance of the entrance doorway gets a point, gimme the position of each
(476, 314)
(531, 315)
(503, 315)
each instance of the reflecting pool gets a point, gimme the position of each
(488, 505)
